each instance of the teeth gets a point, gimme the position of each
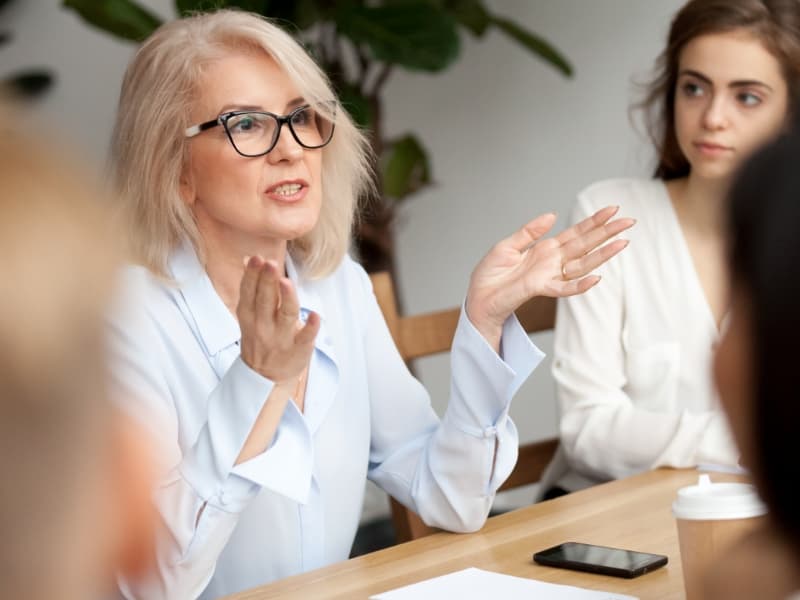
(287, 189)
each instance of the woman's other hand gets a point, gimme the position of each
(524, 265)
(274, 342)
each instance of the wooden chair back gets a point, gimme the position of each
(432, 333)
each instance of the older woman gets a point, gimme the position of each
(256, 344)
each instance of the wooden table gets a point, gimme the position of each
(633, 513)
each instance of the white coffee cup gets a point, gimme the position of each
(711, 516)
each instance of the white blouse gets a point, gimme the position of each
(296, 507)
(632, 358)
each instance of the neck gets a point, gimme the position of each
(224, 263)
(701, 203)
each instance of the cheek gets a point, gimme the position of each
(224, 177)
(314, 166)
(684, 120)
(767, 129)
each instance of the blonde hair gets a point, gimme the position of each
(149, 148)
(57, 258)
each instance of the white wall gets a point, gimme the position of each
(509, 137)
(88, 65)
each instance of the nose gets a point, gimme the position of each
(286, 148)
(715, 115)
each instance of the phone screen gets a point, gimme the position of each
(600, 559)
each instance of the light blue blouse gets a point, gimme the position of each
(296, 506)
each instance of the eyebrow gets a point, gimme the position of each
(294, 103)
(733, 84)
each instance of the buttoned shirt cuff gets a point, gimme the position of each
(286, 466)
(483, 382)
(233, 407)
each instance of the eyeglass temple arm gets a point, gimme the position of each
(198, 129)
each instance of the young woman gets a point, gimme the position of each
(632, 359)
(257, 346)
(756, 372)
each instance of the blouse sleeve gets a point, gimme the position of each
(446, 471)
(603, 431)
(200, 494)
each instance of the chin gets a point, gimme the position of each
(714, 172)
(295, 233)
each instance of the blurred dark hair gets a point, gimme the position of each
(764, 259)
(776, 23)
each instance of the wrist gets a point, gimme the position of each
(490, 329)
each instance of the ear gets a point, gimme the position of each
(135, 514)
(186, 188)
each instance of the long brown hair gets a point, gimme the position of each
(775, 23)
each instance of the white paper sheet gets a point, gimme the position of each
(477, 584)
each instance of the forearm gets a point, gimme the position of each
(266, 424)
(612, 441)
(449, 473)
(191, 535)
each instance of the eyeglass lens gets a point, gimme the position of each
(255, 133)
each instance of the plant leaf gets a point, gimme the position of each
(470, 14)
(534, 43)
(405, 167)
(291, 15)
(122, 18)
(256, 6)
(29, 84)
(187, 7)
(301, 13)
(416, 35)
(357, 105)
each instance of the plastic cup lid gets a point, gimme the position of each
(713, 501)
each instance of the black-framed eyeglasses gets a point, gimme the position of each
(255, 133)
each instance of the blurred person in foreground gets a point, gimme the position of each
(74, 497)
(756, 370)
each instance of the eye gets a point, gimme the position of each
(692, 89)
(246, 123)
(748, 99)
(304, 117)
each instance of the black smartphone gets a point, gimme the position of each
(600, 559)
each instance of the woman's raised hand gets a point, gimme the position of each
(274, 342)
(524, 265)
